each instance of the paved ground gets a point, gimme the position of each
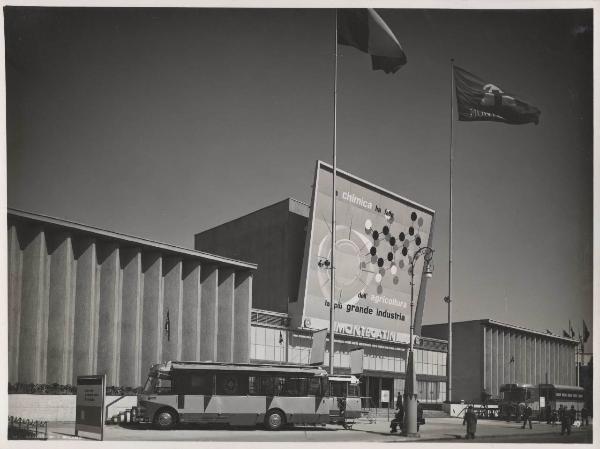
(436, 430)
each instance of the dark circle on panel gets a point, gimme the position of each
(386, 230)
(382, 272)
(379, 289)
(411, 230)
(401, 264)
(413, 216)
(392, 241)
(420, 221)
(404, 251)
(375, 235)
(418, 240)
(373, 251)
(374, 259)
(390, 256)
(402, 236)
(380, 262)
(363, 265)
(395, 280)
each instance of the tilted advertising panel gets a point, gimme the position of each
(377, 234)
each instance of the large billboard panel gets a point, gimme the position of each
(377, 234)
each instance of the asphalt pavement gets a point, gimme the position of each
(435, 430)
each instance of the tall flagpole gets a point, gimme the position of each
(449, 357)
(333, 199)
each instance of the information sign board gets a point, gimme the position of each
(385, 396)
(89, 406)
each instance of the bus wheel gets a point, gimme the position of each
(165, 419)
(274, 420)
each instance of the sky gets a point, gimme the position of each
(161, 123)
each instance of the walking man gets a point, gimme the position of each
(584, 416)
(470, 420)
(565, 420)
(527, 416)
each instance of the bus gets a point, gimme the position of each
(557, 395)
(239, 394)
(344, 393)
(514, 398)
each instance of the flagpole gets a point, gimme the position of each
(449, 357)
(333, 198)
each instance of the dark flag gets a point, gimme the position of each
(365, 30)
(481, 101)
(571, 330)
(586, 332)
(168, 327)
(566, 334)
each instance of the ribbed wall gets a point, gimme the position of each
(79, 304)
(511, 356)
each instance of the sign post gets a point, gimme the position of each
(89, 406)
(385, 397)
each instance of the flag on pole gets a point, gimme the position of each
(479, 100)
(571, 330)
(365, 30)
(586, 332)
(168, 327)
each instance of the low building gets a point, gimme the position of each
(487, 353)
(83, 300)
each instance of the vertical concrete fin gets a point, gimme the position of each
(109, 312)
(33, 305)
(172, 302)
(15, 268)
(59, 338)
(209, 302)
(190, 320)
(242, 310)
(225, 316)
(131, 293)
(152, 310)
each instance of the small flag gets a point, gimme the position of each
(512, 359)
(481, 101)
(571, 330)
(566, 334)
(280, 337)
(168, 327)
(586, 332)
(365, 30)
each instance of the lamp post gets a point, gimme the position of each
(410, 396)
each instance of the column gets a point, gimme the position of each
(152, 318)
(131, 318)
(109, 329)
(225, 315)
(33, 329)
(172, 303)
(15, 267)
(60, 309)
(209, 311)
(191, 331)
(495, 355)
(242, 310)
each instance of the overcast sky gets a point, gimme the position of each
(161, 123)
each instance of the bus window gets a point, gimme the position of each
(201, 383)
(354, 391)
(149, 385)
(163, 386)
(232, 384)
(295, 386)
(260, 385)
(314, 386)
(337, 389)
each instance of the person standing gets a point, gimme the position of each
(470, 420)
(527, 416)
(420, 419)
(398, 420)
(584, 416)
(565, 420)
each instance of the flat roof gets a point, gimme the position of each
(105, 234)
(223, 366)
(490, 322)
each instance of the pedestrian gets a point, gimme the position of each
(573, 414)
(470, 420)
(565, 420)
(398, 420)
(420, 419)
(527, 416)
(584, 416)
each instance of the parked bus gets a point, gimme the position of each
(514, 398)
(557, 395)
(234, 393)
(344, 393)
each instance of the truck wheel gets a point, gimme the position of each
(274, 420)
(165, 419)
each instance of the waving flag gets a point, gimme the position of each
(365, 30)
(586, 333)
(482, 101)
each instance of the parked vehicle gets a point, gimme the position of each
(515, 397)
(345, 402)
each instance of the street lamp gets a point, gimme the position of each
(410, 396)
